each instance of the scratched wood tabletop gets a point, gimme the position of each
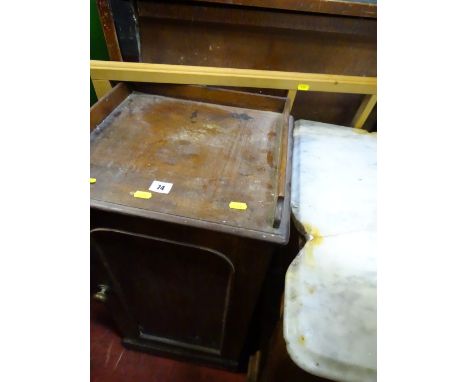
(211, 154)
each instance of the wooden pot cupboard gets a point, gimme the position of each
(190, 210)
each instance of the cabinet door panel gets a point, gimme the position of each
(174, 292)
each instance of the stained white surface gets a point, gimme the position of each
(330, 312)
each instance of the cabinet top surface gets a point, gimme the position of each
(196, 157)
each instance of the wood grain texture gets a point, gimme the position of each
(260, 37)
(258, 17)
(173, 275)
(364, 111)
(251, 261)
(199, 75)
(220, 96)
(212, 154)
(107, 103)
(291, 95)
(101, 87)
(364, 8)
(108, 27)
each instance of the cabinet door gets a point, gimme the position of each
(172, 292)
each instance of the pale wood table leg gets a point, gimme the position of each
(364, 110)
(101, 87)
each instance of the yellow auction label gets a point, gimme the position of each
(142, 194)
(238, 205)
(302, 87)
(92, 180)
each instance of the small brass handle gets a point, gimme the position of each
(101, 294)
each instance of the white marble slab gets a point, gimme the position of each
(330, 312)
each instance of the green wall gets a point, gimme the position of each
(98, 48)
